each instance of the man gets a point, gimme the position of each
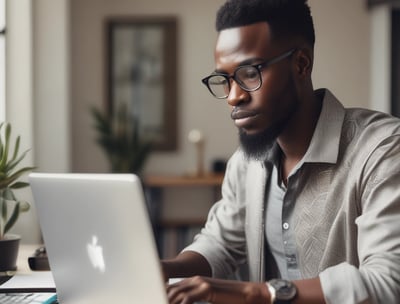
(311, 200)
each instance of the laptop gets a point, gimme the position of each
(98, 238)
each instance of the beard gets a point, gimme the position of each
(257, 146)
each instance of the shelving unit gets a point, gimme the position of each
(174, 234)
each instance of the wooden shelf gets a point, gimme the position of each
(176, 223)
(183, 180)
(173, 234)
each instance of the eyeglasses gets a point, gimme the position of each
(248, 77)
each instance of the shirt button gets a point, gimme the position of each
(285, 226)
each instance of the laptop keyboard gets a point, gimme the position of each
(25, 298)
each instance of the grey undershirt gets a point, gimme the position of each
(279, 233)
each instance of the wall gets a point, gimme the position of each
(341, 63)
(38, 91)
(380, 65)
(51, 84)
(65, 66)
(196, 109)
(342, 50)
(19, 97)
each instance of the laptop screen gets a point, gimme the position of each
(98, 237)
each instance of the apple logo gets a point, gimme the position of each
(95, 253)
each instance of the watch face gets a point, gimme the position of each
(284, 290)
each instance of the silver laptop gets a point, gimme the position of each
(98, 237)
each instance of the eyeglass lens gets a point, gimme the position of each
(248, 77)
(219, 85)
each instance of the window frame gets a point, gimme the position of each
(2, 60)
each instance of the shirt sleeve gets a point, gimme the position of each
(222, 240)
(377, 279)
(343, 284)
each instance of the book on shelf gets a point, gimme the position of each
(173, 240)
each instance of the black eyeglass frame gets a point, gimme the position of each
(258, 66)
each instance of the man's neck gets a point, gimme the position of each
(295, 140)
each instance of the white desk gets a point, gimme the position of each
(27, 279)
(25, 251)
(22, 261)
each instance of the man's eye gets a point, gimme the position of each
(247, 73)
(218, 80)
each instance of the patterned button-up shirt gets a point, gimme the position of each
(344, 218)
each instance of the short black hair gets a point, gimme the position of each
(287, 18)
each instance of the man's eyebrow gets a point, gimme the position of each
(249, 61)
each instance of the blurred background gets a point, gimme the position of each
(55, 64)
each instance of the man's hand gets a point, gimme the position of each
(186, 264)
(217, 291)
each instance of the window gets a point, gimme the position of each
(2, 60)
(395, 62)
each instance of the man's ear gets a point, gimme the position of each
(304, 62)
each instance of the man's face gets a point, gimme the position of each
(261, 115)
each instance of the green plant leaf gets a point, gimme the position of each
(13, 218)
(3, 160)
(14, 162)
(2, 203)
(19, 185)
(3, 215)
(120, 138)
(4, 209)
(8, 194)
(16, 148)
(10, 179)
(1, 142)
(9, 176)
(102, 122)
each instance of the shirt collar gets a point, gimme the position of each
(324, 146)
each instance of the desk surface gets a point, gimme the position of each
(25, 279)
(25, 251)
(183, 180)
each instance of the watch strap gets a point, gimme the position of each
(272, 292)
(278, 290)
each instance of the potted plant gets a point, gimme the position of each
(119, 137)
(10, 205)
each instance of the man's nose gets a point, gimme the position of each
(237, 95)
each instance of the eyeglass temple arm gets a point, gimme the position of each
(279, 58)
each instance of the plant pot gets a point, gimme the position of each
(9, 247)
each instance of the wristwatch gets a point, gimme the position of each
(282, 291)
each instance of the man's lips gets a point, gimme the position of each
(240, 114)
(242, 117)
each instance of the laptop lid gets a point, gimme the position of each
(98, 238)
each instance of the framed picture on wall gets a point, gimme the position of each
(141, 75)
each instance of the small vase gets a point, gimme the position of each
(9, 247)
